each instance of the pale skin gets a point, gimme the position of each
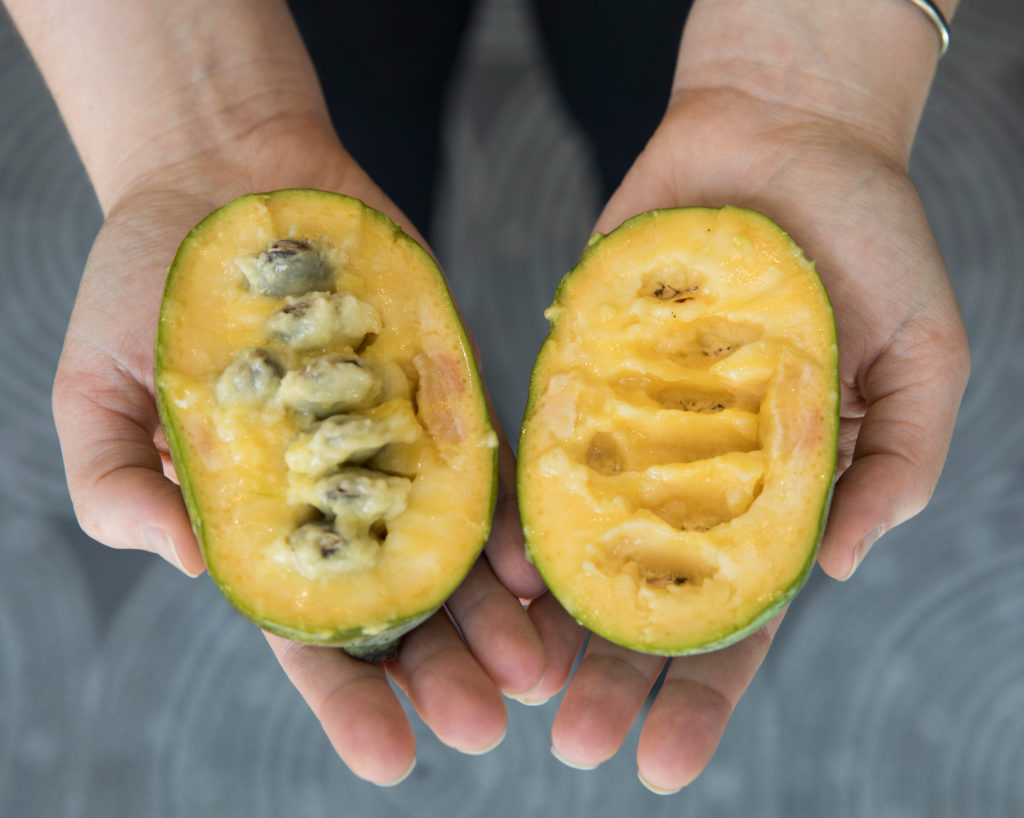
(804, 110)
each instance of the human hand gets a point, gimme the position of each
(837, 182)
(124, 489)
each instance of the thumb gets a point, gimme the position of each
(505, 548)
(106, 422)
(913, 393)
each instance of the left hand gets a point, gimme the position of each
(123, 484)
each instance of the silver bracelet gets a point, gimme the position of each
(938, 20)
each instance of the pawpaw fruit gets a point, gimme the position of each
(325, 417)
(678, 449)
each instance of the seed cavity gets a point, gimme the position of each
(604, 454)
(698, 516)
(677, 295)
(657, 557)
(703, 343)
(665, 580)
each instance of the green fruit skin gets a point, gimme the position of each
(779, 603)
(375, 642)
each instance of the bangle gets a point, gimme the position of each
(938, 20)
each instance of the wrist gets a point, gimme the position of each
(867, 66)
(288, 149)
(225, 148)
(150, 88)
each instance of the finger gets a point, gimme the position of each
(913, 398)
(450, 691)
(106, 423)
(692, 708)
(561, 637)
(160, 441)
(601, 703)
(356, 706)
(506, 550)
(498, 631)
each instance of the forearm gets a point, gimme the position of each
(866, 63)
(149, 85)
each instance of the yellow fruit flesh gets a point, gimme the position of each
(232, 458)
(679, 446)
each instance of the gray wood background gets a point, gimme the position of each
(126, 690)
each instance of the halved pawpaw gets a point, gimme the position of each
(325, 417)
(678, 449)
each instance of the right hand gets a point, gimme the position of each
(796, 114)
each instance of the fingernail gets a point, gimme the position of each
(529, 698)
(863, 547)
(401, 778)
(574, 764)
(654, 789)
(158, 542)
(525, 700)
(486, 750)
